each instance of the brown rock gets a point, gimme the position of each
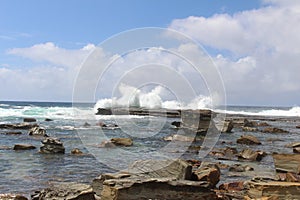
(293, 145)
(273, 190)
(209, 173)
(287, 162)
(298, 126)
(263, 124)
(274, 130)
(225, 126)
(292, 177)
(76, 151)
(13, 133)
(37, 131)
(233, 186)
(52, 146)
(251, 155)
(106, 144)
(296, 150)
(249, 129)
(122, 141)
(23, 147)
(248, 139)
(63, 191)
(240, 168)
(12, 197)
(248, 123)
(157, 188)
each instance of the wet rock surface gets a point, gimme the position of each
(65, 191)
(37, 131)
(248, 139)
(23, 147)
(52, 146)
(12, 197)
(24, 126)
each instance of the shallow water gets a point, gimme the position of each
(26, 171)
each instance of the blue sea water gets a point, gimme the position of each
(27, 171)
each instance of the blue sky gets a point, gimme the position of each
(245, 42)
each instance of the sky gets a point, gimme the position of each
(254, 44)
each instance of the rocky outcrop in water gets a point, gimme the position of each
(248, 139)
(37, 131)
(29, 119)
(65, 191)
(18, 126)
(52, 145)
(23, 147)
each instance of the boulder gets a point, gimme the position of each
(104, 111)
(48, 120)
(274, 130)
(249, 129)
(23, 147)
(180, 138)
(263, 124)
(176, 124)
(233, 186)
(248, 139)
(298, 126)
(65, 191)
(248, 123)
(18, 126)
(293, 145)
(147, 169)
(249, 154)
(121, 141)
(225, 127)
(287, 163)
(29, 119)
(12, 197)
(273, 190)
(296, 150)
(37, 131)
(52, 145)
(209, 172)
(240, 168)
(156, 188)
(76, 151)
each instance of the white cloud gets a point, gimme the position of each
(263, 46)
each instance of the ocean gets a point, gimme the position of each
(76, 126)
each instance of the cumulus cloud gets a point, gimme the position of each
(262, 48)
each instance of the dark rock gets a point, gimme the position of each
(52, 145)
(209, 173)
(76, 151)
(104, 111)
(48, 120)
(248, 139)
(298, 126)
(23, 147)
(287, 163)
(248, 154)
(12, 197)
(176, 124)
(197, 120)
(18, 126)
(86, 124)
(29, 119)
(13, 133)
(249, 129)
(65, 191)
(121, 141)
(37, 131)
(156, 188)
(274, 130)
(296, 150)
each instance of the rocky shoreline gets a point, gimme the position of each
(184, 178)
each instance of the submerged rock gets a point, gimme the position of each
(287, 163)
(225, 127)
(13, 133)
(249, 129)
(121, 141)
(48, 120)
(18, 126)
(65, 191)
(23, 147)
(76, 151)
(29, 119)
(248, 139)
(249, 154)
(240, 168)
(274, 130)
(180, 138)
(37, 131)
(52, 145)
(176, 124)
